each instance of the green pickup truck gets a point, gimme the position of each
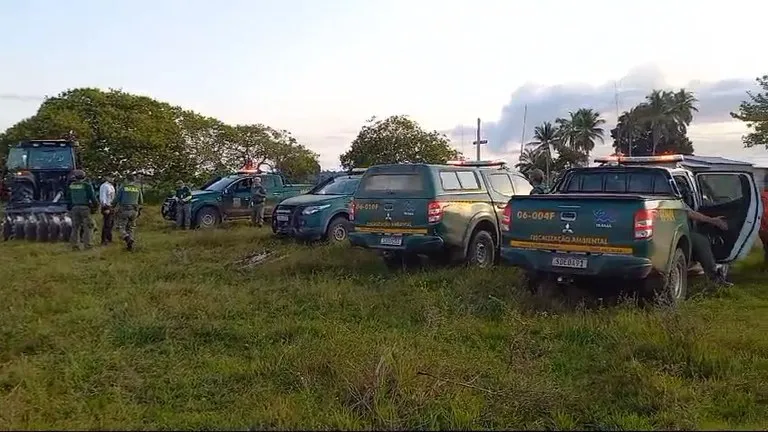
(229, 198)
(322, 213)
(626, 221)
(446, 212)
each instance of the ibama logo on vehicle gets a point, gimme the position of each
(408, 209)
(604, 219)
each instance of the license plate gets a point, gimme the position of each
(392, 241)
(570, 262)
(282, 218)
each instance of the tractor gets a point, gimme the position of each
(38, 174)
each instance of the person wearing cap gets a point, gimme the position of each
(129, 199)
(183, 206)
(258, 196)
(537, 179)
(81, 202)
(106, 196)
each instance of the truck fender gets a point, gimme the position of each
(679, 235)
(333, 216)
(473, 223)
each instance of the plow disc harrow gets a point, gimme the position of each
(43, 227)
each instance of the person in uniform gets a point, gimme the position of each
(128, 200)
(537, 180)
(258, 196)
(183, 206)
(82, 203)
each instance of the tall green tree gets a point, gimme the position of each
(657, 125)
(755, 113)
(396, 139)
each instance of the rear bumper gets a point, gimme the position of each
(418, 244)
(608, 266)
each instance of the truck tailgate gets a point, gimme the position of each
(595, 223)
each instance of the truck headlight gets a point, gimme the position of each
(314, 209)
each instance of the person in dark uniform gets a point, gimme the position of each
(129, 200)
(82, 203)
(537, 180)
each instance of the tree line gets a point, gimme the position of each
(119, 132)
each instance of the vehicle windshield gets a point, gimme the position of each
(39, 158)
(339, 186)
(219, 185)
(17, 158)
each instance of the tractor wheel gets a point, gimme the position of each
(22, 192)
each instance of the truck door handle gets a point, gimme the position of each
(568, 216)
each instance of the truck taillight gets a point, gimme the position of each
(434, 212)
(506, 218)
(644, 224)
(352, 210)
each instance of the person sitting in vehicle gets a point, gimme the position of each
(537, 179)
(701, 248)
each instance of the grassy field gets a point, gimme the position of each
(178, 335)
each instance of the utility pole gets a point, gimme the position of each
(479, 142)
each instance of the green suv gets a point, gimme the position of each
(323, 213)
(229, 198)
(448, 213)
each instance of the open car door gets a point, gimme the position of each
(734, 196)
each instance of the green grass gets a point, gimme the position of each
(174, 336)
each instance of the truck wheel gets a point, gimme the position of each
(207, 217)
(482, 250)
(672, 288)
(338, 230)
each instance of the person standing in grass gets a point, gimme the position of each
(106, 196)
(258, 196)
(129, 199)
(82, 202)
(183, 205)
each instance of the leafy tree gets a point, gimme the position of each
(119, 132)
(396, 139)
(658, 125)
(531, 159)
(755, 113)
(547, 137)
(581, 130)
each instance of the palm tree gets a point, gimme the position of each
(682, 106)
(630, 124)
(586, 126)
(545, 137)
(657, 111)
(529, 160)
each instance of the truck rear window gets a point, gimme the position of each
(650, 183)
(393, 183)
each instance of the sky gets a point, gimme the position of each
(321, 68)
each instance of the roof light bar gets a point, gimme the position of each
(639, 159)
(497, 162)
(357, 170)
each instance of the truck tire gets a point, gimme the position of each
(482, 250)
(207, 217)
(672, 288)
(338, 230)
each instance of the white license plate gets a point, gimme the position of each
(392, 241)
(282, 218)
(570, 262)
